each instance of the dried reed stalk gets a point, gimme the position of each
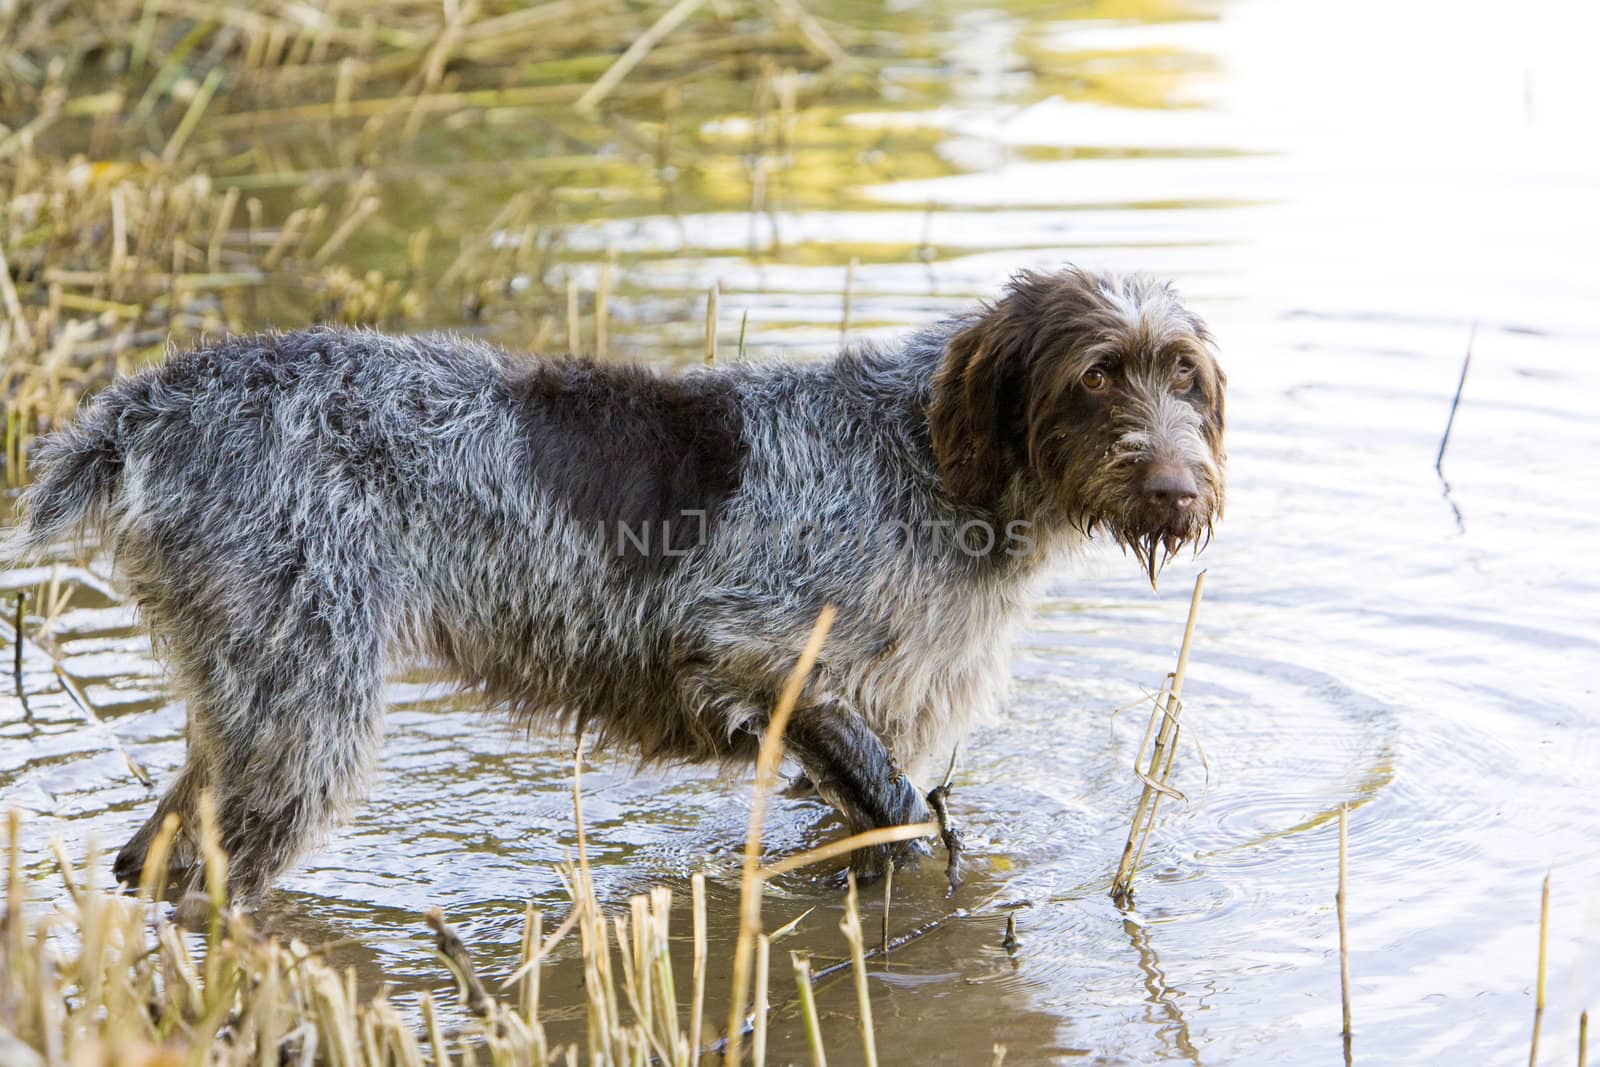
(1160, 766)
(808, 1007)
(851, 925)
(669, 21)
(697, 886)
(750, 883)
(1344, 944)
(1544, 940)
(758, 1038)
(711, 325)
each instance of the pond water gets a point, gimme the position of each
(1352, 193)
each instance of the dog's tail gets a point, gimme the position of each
(75, 473)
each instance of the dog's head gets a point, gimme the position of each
(1095, 397)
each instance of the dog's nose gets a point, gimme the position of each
(1169, 486)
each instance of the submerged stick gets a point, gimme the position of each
(898, 941)
(1538, 1002)
(454, 952)
(1344, 947)
(1011, 942)
(1438, 463)
(1160, 766)
(16, 650)
(954, 843)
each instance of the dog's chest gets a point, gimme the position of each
(942, 667)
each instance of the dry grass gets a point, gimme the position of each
(170, 168)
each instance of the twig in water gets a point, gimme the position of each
(1538, 1002)
(1011, 942)
(453, 951)
(954, 843)
(1160, 766)
(1438, 463)
(899, 941)
(1344, 947)
(16, 650)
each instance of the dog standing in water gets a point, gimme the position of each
(606, 548)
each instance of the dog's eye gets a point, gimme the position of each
(1184, 376)
(1095, 380)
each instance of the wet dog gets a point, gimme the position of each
(610, 549)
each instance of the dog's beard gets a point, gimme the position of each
(1155, 549)
(1152, 540)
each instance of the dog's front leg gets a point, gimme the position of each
(854, 772)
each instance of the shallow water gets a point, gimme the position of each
(1350, 193)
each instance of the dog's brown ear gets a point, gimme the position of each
(967, 415)
(1213, 422)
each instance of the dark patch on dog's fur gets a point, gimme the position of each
(621, 447)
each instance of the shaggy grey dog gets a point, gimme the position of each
(606, 548)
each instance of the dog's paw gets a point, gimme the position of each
(904, 805)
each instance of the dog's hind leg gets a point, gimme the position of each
(283, 682)
(284, 742)
(305, 725)
(181, 799)
(855, 773)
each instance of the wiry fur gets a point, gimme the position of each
(293, 511)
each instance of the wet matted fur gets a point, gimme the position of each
(608, 548)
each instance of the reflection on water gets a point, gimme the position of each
(1345, 190)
